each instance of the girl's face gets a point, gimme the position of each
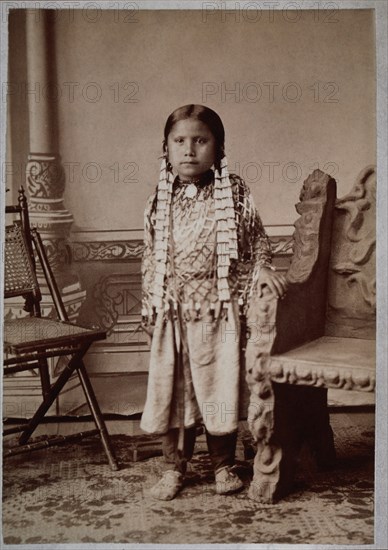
(191, 148)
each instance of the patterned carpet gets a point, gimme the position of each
(69, 494)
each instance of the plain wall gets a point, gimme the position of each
(173, 57)
(13, 93)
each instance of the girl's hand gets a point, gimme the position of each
(148, 328)
(276, 282)
(149, 331)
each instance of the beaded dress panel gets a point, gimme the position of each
(191, 274)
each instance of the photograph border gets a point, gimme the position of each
(381, 449)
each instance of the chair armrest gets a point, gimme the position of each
(300, 316)
(276, 326)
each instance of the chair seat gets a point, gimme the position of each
(33, 333)
(347, 363)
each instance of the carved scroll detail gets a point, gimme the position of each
(107, 251)
(352, 281)
(117, 296)
(261, 323)
(46, 185)
(306, 236)
(287, 372)
(45, 179)
(105, 303)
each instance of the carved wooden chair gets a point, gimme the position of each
(30, 341)
(320, 336)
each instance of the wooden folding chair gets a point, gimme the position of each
(30, 341)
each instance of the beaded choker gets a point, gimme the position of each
(191, 181)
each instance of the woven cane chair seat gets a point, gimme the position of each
(42, 333)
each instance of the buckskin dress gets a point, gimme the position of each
(195, 323)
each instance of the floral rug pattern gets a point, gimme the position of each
(69, 494)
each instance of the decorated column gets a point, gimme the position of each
(45, 181)
(45, 174)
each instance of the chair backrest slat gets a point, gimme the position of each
(19, 274)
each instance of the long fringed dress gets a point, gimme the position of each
(205, 331)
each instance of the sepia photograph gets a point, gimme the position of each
(194, 274)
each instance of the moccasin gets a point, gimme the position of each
(227, 481)
(168, 486)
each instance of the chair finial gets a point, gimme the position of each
(22, 199)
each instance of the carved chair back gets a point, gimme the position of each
(301, 316)
(332, 270)
(351, 307)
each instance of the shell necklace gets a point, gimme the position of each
(192, 185)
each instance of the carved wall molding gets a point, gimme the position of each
(117, 309)
(105, 246)
(107, 251)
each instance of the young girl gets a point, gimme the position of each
(205, 251)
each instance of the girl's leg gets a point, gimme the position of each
(222, 449)
(172, 461)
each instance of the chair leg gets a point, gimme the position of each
(288, 435)
(96, 413)
(318, 432)
(300, 415)
(54, 392)
(276, 457)
(75, 363)
(44, 377)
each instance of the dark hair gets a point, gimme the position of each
(205, 115)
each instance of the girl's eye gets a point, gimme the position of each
(178, 140)
(201, 140)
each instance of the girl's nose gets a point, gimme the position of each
(189, 149)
